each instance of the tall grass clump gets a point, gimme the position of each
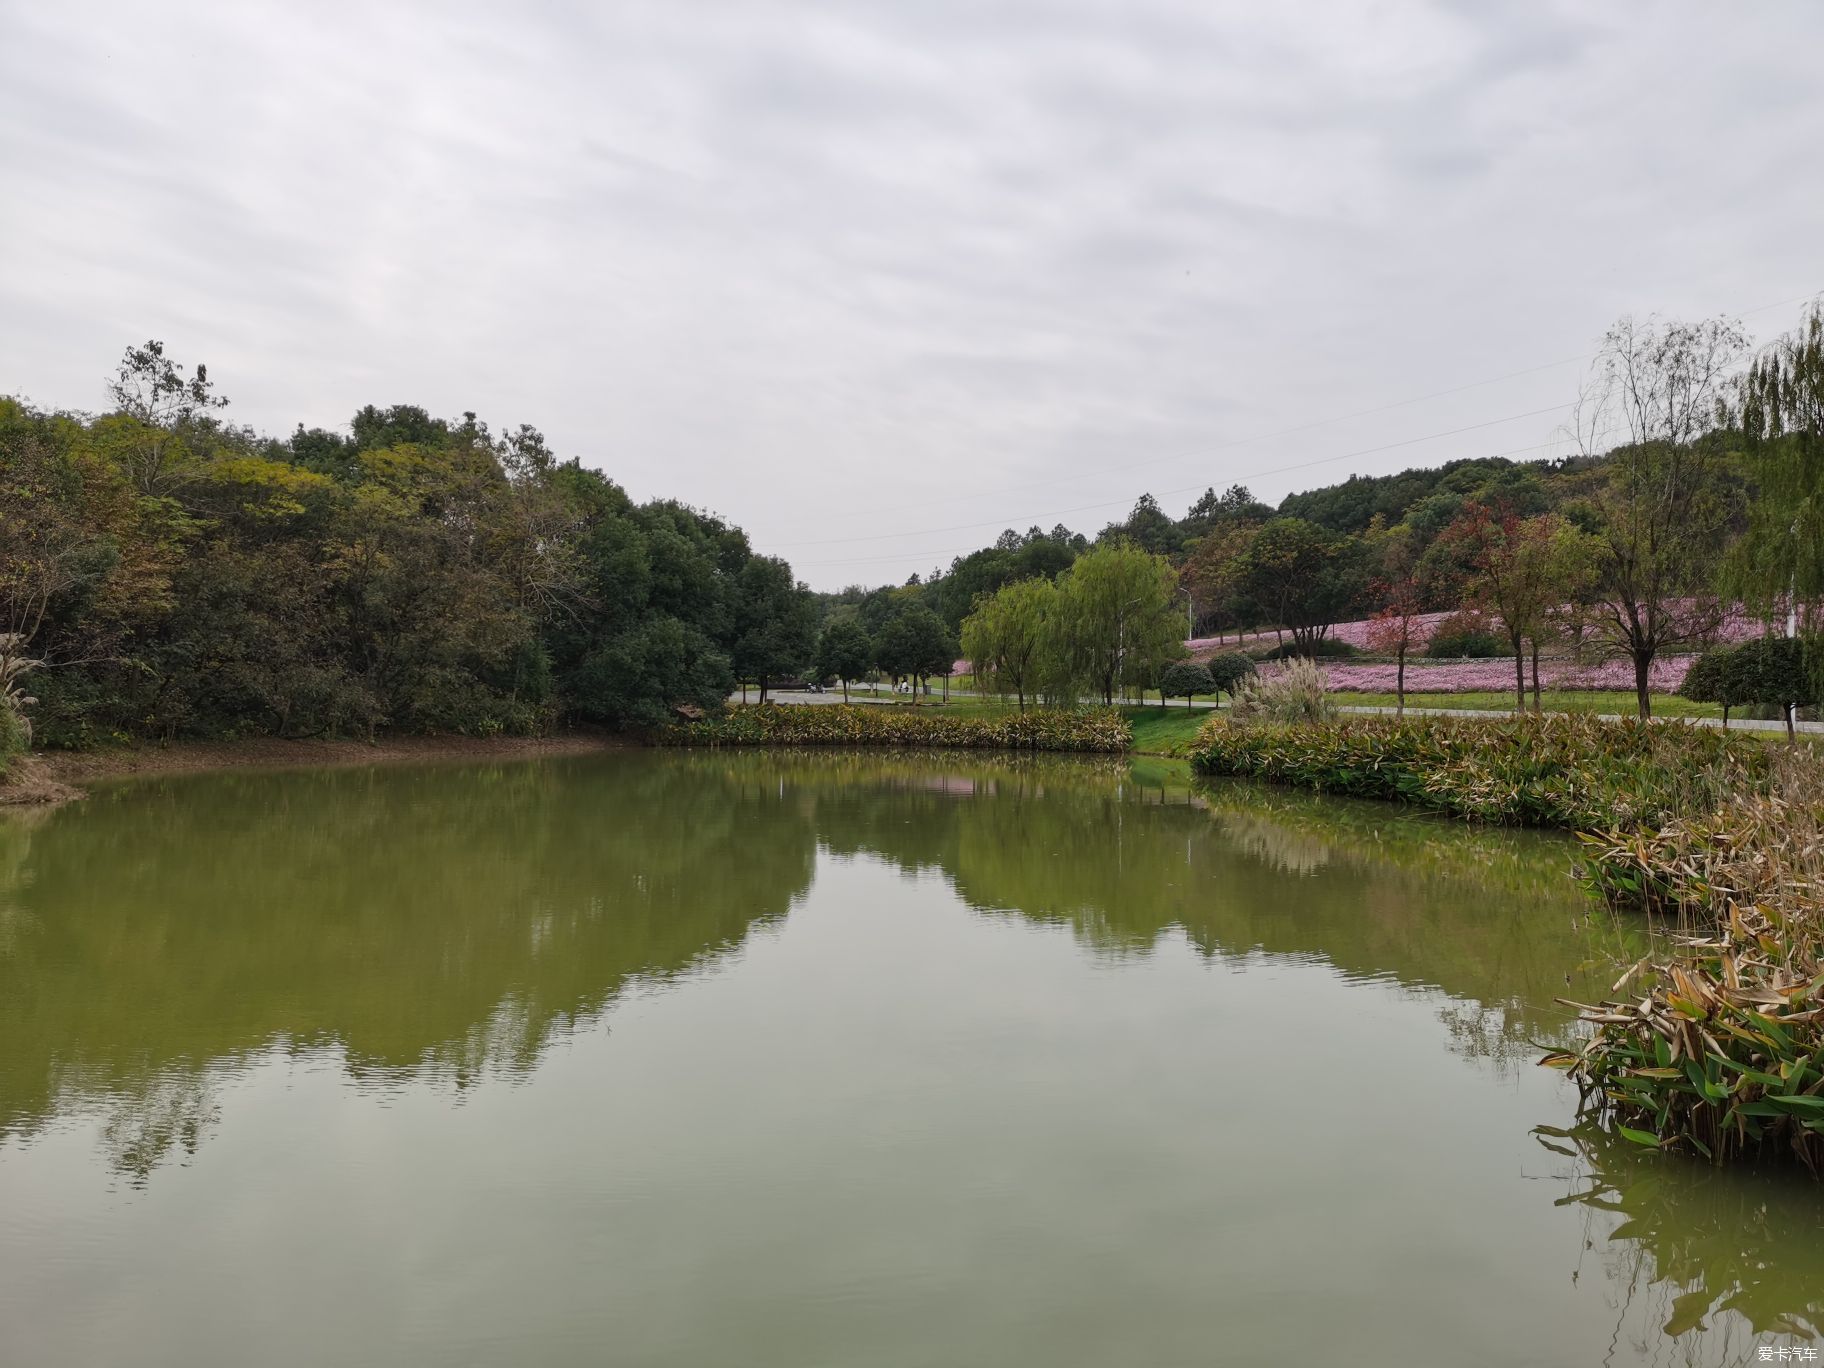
(1296, 693)
(15, 725)
(1718, 1046)
(12, 738)
(1093, 730)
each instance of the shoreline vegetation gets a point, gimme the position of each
(50, 777)
(1714, 1044)
(1101, 730)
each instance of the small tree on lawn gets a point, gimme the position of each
(914, 644)
(1521, 570)
(1711, 679)
(1407, 580)
(1228, 670)
(1183, 679)
(1772, 672)
(844, 651)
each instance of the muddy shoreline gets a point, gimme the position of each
(46, 777)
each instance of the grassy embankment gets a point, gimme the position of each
(1153, 730)
(980, 726)
(1719, 1047)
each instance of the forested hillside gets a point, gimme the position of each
(1695, 453)
(171, 574)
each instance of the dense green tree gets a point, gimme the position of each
(1715, 677)
(180, 576)
(914, 644)
(1352, 505)
(1228, 669)
(1775, 672)
(1304, 578)
(1146, 527)
(844, 651)
(1184, 679)
(1771, 672)
(777, 623)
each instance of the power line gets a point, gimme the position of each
(920, 555)
(1225, 446)
(1230, 445)
(1110, 503)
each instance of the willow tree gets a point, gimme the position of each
(1008, 636)
(1121, 624)
(1779, 563)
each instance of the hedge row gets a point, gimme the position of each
(1101, 730)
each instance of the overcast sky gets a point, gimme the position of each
(877, 279)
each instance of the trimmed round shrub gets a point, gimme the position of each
(1228, 670)
(1185, 678)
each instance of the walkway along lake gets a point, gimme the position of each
(827, 1059)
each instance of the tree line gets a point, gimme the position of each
(1697, 482)
(164, 572)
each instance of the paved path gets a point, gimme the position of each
(888, 696)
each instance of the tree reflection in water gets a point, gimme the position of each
(1721, 1261)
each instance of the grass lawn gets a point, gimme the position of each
(1164, 731)
(1555, 700)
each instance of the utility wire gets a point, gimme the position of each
(1030, 519)
(1239, 442)
(919, 555)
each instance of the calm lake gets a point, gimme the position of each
(829, 1059)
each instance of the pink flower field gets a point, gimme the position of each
(1476, 676)
(1497, 675)
(1738, 626)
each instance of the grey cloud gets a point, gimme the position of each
(889, 266)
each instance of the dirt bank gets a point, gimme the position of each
(57, 776)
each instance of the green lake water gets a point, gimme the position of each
(705, 1059)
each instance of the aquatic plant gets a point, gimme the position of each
(1722, 1051)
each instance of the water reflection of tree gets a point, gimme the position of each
(1709, 1263)
(423, 921)
(1124, 856)
(450, 922)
